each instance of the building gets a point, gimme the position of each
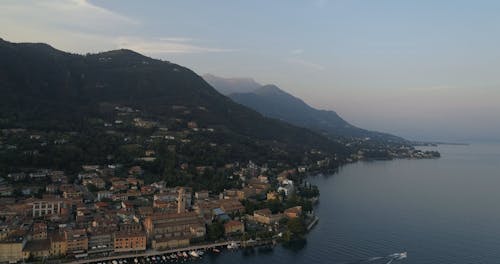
(129, 241)
(97, 182)
(265, 216)
(234, 226)
(11, 249)
(201, 195)
(168, 242)
(181, 203)
(37, 249)
(272, 195)
(104, 195)
(58, 245)
(167, 226)
(41, 207)
(77, 241)
(100, 242)
(246, 193)
(231, 206)
(39, 231)
(293, 212)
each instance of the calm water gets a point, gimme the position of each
(440, 211)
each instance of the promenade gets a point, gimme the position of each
(154, 252)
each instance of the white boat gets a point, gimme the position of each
(215, 250)
(233, 245)
(194, 254)
(398, 256)
(200, 253)
(184, 254)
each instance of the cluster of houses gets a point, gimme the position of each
(123, 214)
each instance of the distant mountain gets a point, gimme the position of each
(228, 86)
(44, 88)
(273, 102)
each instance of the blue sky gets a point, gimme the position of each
(421, 69)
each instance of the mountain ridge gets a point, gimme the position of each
(272, 101)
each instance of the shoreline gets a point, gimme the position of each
(149, 253)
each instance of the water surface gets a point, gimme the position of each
(445, 210)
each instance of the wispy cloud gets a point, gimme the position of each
(165, 45)
(297, 51)
(306, 64)
(81, 26)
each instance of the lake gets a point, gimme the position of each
(445, 210)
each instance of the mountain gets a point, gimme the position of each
(228, 86)
(273, 102)
(47, 89)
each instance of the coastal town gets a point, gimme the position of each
(101, 215)
(158, 185)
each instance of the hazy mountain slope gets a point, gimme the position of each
(228, 86)
(273, 102)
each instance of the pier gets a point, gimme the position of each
(312, 223)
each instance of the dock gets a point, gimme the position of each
(312, 223)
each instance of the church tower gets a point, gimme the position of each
(181, 202)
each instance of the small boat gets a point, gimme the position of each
(184, 254)
(233, 245)
(215, 250)
(194, 254)
(136, 260)
(200, 253)
(398, 256)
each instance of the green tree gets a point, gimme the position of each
(215, 231)
(297, 227)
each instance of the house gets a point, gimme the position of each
(265, 216)
(39, 231)
(272, 196)
(58, 245)
(286, 187)
(37, 249)
(234, 226)
(11, 249)
(246, 193)
(231, 206)
(293, 212)
(200, 195)
(97, 182)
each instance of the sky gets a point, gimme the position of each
(422, 69)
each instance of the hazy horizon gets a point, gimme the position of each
(423, 70)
